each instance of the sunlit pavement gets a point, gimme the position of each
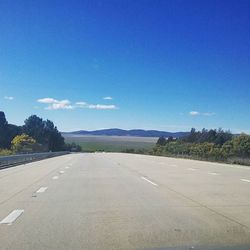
(124, 201)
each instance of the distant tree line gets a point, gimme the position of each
(36, 135)
(218, 145)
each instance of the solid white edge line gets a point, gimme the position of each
(246, 180)
(149, 181)
(41, 189)
(9, 219)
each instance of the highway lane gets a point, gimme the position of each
(124, 201)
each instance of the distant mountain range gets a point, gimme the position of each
(122, 132)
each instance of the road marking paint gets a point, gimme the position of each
(192, 169)
(12, 217)
(41, 189)
(61, 172)
(212, 173)
(149, 181)
(246, 180)
(66, 167)
(55, 177)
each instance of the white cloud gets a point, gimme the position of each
(94, 106)
(55, 104)
(101, 106)
(107, 98)
(196, 113)
(9, 98)
(60, 105)
(81, 104)
(47, 100)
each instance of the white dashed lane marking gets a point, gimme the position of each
(61, 172)
(55, 177)
(246, 180)
(12, 217)
(191, 169)
(149, 181)
(213, 173)
(41, 189)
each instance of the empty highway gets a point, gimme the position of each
(124, 201)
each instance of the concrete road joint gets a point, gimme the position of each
(196, 202)
(206, 207)
(43, 177)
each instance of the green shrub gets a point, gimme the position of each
(5, 152)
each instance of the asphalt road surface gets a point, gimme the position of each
(124, 201)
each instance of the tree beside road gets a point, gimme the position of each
(36, 135)
(217, 145)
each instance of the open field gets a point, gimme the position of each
(111, 143)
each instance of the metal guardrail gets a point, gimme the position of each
(6, 161)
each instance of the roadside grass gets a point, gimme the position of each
(92, 144)
(137, 145)
(230, 160)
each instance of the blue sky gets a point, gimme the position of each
(167, 65)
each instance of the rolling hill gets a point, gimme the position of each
(122, 132)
